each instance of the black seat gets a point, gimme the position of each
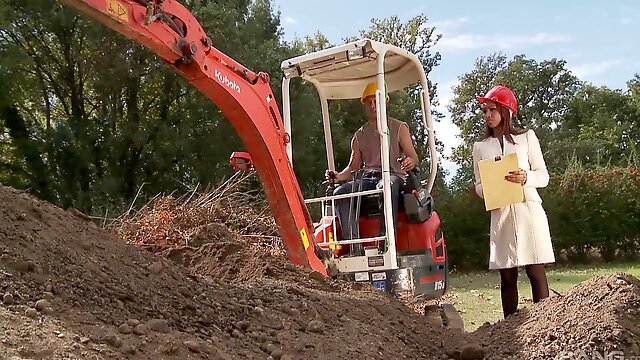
(418, 209)
(370, 205)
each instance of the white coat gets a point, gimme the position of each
(519, 233)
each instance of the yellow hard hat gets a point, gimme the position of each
(371, 88)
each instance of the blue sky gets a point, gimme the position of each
(598, 39)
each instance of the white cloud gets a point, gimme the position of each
(590, 69)
(289, 20)
(625, 21)
(448, 24)
(463, 42)
(445, 130)
(448, 132)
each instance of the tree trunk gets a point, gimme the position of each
(28, 149)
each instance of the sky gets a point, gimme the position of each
(599, 40)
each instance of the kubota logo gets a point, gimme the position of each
(224, 80)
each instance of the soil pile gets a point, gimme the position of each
(71, 290)
(597, 317)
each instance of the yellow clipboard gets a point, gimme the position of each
(497, 191)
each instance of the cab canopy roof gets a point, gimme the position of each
(342, 72)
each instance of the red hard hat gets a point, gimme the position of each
(502, 95)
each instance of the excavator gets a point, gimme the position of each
(413, 261)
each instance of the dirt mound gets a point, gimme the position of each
(91, 296)
(71, 290)
(238, 262)
(597, 317)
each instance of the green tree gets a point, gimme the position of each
(597, 127)
(96, 115)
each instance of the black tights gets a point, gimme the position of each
(509, 286)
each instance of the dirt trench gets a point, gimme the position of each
(71, 290)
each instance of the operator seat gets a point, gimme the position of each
(415, 202)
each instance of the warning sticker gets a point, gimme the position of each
(118, 10)
(379, 276)
(305, 239)
(375, 261)
(362, 276)
(379, 285)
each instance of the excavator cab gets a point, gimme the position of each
(410, 259)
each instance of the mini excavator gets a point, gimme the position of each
(413, 262)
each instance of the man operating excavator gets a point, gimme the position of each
(365, 156)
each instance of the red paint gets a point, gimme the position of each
(431, 278)
(410, 237)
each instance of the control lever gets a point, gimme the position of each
(331, 182)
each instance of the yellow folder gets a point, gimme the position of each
(497, 191)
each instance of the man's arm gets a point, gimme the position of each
(355, 162)
(406, 145)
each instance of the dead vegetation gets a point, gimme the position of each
(230, 210)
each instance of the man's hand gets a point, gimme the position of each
(519, 176)
(331, 175)
(407, 164)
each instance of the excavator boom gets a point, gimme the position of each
(169, 30)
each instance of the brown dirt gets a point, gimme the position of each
(231, 297)
(599, 315)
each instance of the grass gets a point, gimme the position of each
(477, 295)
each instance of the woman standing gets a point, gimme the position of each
(519, 234)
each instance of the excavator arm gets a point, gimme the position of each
(172, 32)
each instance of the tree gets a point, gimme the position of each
(597, 127)
(96, 115)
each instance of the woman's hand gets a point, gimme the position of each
(519, 176)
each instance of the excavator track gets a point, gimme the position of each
(444, 314)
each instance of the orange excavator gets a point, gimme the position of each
(413, 262)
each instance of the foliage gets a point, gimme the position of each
(89, 116)
(603, 126)
(595, 209)
(465, 225)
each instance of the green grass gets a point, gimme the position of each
(477, 295)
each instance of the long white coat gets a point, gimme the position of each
(519, 234)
